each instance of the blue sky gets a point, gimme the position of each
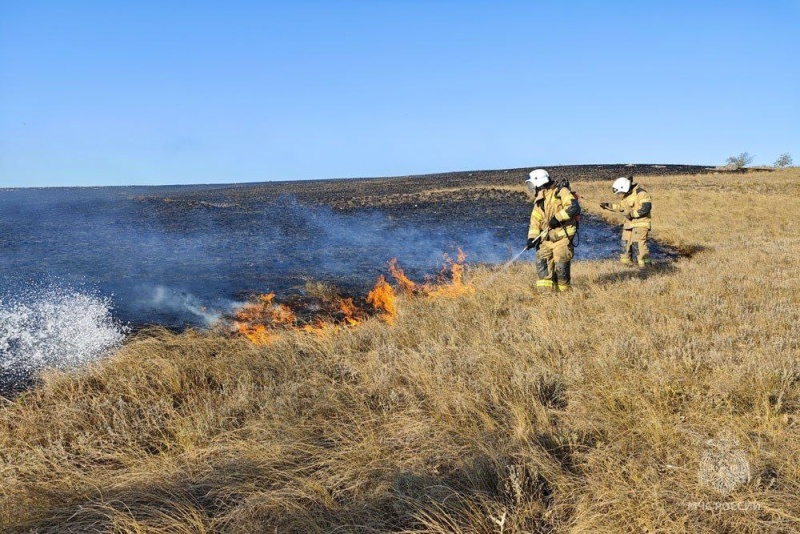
(118, 93)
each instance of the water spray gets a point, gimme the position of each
(532, 244)
(507, 264)
(53, 328)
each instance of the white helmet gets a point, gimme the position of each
(538, 178)
(621, 185)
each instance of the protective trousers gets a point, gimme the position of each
(638, 237)
(553, 264)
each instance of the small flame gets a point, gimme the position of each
(350, 312)
(258, 320)
(405, 283)
(263, 320)
(456, 286)
(449, 283)
(383, 297)
(257, 334)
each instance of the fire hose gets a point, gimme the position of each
(534, 243)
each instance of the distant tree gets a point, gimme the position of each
(784, 160)
(742, 160)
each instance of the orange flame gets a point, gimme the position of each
(258, 320)
(449, 283)
(383, 297)
(263, 320)
(455, 287)
(350, 311)
(405, 283)
(257, 334)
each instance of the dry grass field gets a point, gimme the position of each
(607, 409)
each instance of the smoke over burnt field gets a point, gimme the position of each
(180, 256)
(186, 256)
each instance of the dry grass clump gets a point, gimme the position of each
(499, 410)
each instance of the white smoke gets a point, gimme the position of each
(53, 328)
(167, 299)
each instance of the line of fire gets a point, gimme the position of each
(263, 319)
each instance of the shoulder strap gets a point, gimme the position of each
(561, 184)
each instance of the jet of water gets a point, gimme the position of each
(505, 266)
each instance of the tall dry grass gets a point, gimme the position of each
(503, 410)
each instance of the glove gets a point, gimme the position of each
(533, 242)
(605, 205)
(553, 222)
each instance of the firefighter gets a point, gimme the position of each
(636, 206)
(552, 230)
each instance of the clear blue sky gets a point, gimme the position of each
(139, 92)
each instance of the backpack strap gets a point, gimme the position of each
(562, 183)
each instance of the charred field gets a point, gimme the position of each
(420, 193)
(624, 405)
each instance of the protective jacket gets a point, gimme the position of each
(636, 206)
(559, 203)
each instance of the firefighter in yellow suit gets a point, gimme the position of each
(552, 230)
(636, 205)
